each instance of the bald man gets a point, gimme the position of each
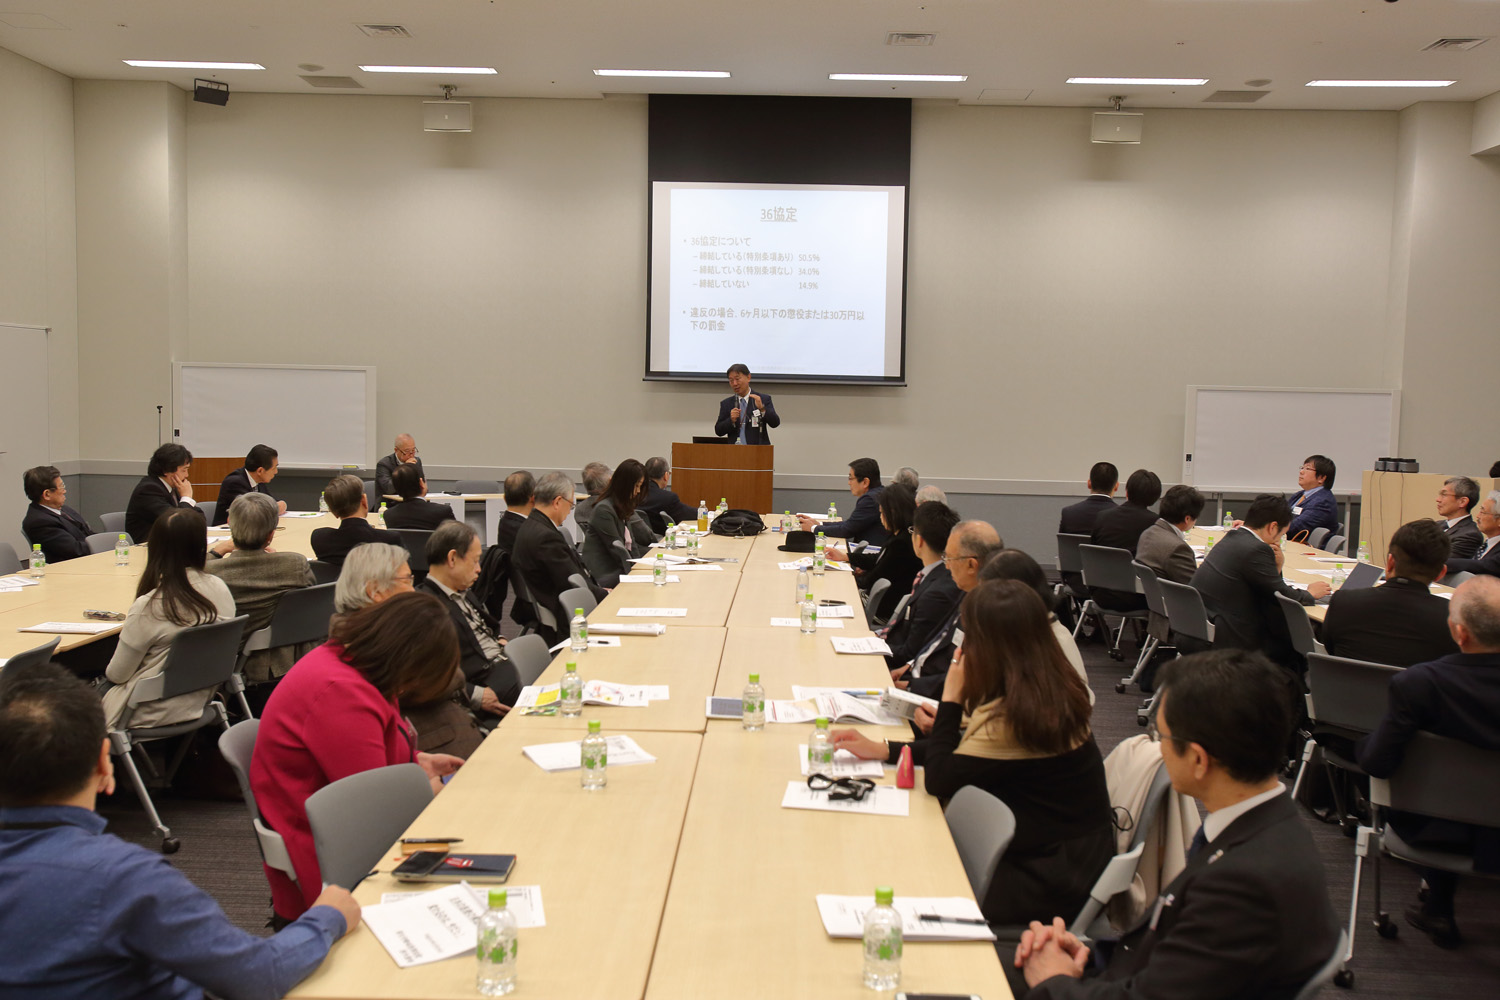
(404, 453)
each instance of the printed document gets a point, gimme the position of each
(844, 917)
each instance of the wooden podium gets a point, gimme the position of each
(740, 473)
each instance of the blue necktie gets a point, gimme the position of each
(1199, 839)
(744, 418)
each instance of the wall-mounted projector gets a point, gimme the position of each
(447, 116)
(1117, 127)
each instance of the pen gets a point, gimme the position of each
(866, 693)
(432, 840)
(939, 918)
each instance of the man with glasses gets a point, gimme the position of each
(1487, 557)
(970, 545)
(59, 529)
(404, 453)
(863, 523)
(544, 557)
(1455, 505)
(1249, 914)
(1313, 507)
(933, 593)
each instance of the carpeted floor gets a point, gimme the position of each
(218, 853)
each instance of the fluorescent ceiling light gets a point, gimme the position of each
(1137, 81)
(900, 77)
(1381, 83)
(176, 64)
(716, 74)
(470, 70)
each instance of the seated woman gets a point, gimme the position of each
(615, 519)
(1013, 564)
(1028, 743)
(337, 712)
(174, 593)
(896, 561)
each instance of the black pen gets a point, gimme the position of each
(939, 918)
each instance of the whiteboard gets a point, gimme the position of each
(25, 427)
(316, 417)
(1255, 438)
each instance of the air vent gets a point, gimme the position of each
(385, 31)
(905, 38)
(993, 96)
(20, 19)
(333, 82)
(1235, 96)
(1462, 44)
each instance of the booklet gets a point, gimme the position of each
(595, 693)
(16, 581)
(625, 628)
(844, 917)
(72, 628)
(569, 756)
(834, 704)
(870, 645)
(523, 901)
(882, 800)
(904, 703)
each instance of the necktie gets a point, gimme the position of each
(1199, 839)
(744, 418)
(885, 629)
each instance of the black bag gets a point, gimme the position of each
(737, 524)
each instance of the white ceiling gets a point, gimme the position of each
(548, 48)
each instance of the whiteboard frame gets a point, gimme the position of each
(371, 447)
(1190, 424)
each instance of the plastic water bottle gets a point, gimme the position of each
(1228, 519)
(571, 690)
(808, 614)
(801, 586)
(833, 511)
(883, 942)
(122, 551)
(497, 948)
(723, 504)
(671, 536)
(38, 562)
(702, 516)
(1338, 575)
(753, 705)
(578, 632)
(820, 749)
(788, 522)
(1364, 552)
(380, 516)
(322, 503)
(595, 754)
(659, 570)
(820, 555)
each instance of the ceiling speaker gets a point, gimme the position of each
(1117, 126)
(447, 116)
(211, 92)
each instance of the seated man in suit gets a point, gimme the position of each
(1314, 506)
(1456, 503)
(348, 502)
(1121, 527)
(257, 575)
(934, 596)
(908, 476)
(59, 529)
(660, 502)
(1487, 558)
(494, 574)
(1249, 915)
(544, 557)
(863, 525)
(520, 500)
(1400, 622)
(403, 453)
(87, 914)
(596, 477)
(261, 466)
(931, 492)
(1457, 696)
(1081, 517)
(1163, 545)
(414, 510)
(164, 487)
(745, 417)
(970, 545)
(1240, 578)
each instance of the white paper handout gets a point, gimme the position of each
(834, 704)
(882, 800)
(72, 628)
(594, 640)
(845, 765)
(302, 513)
(844, 917)
(429, 926)
(642, 578)
(699, 568)
(625, 628)
(666, 557)
(523, 901)
(569, 756)
(594, 693)
(834, 611)
(797, 622)
(17, 580)
(651, 612)
(870, 645)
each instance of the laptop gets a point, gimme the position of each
(1363, 576)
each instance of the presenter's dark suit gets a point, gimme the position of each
(1465, 537)
(418, 513)
(863, 525)
(331, 545)
(383, 469)
(660, 501)
(1247, 918)
(148, 501)
(1239, 583)
(1319, 510)
(234, 486)
(730, 430)
(1400, 623)
(545, 558)
(1487, 562)
(62, 534)
(931, 604)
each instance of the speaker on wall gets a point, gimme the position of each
(1117, 127)
(211, 92)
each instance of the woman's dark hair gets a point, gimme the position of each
(177, 543)
(168, 458)
(1013, 564)
(1011, 653)
(626, 487)
(405, 646)
(898, 502)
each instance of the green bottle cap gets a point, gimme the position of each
(821, 722)
(593, 726)
(578, 611)
(36, 547)
(498, 898)
(884, 894)
(755, 678)
(122, 538)
(572, 666)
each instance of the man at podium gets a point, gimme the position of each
(745, 417)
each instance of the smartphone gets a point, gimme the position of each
(440, 866)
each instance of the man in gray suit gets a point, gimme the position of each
(1163, 545)
(1456, 503)
(403, 453)
(257, 575)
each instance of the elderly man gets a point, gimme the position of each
(544, 557)
(261, 465)
(415, 510)
(371, 573)
(596, 476)
(257, 575)
(660, 502)
(1401, 622)
(1487, 557)
(970, 545)
(907, 475)
(1457, 696)
(347, 502)
(59, 529)
(403, 453)
(930, 493)
(1455, 505)
(745, 417)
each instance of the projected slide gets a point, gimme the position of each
(789, 280)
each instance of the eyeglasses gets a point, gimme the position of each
(1155, 735)
(853, 789)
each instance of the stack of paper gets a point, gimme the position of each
(16, 581)
(569, 756)
(797, 622)
(302, 513)
(844, 917)
(643, 578)
(651, 612)
(420, 927)
(882, 800)
(845, 765)
(870, 645)
(72, 628)
(625, 628)
(834, 611)
(595, 693)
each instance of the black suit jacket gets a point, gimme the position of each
(331, 545)
(1465, 538)
(62, 535)
(235, 485)
(863, 524)
(505, 531)
(1121, 527)
(730, 429)
(478, 670)
(1487, 563)
(1399, 623)
(658, 501)
(933, 603)
(383, 469)
(148, 501)
(1239, 583)
(935, 667)
(545, 558)
(898, 563)
(1247, 918)
(419, 513)
(1080, 518)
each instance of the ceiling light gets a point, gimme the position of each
(176, 64)
(715, 74)
(1381, 83)
(1137, 81)
(900, 77)
(471, 70)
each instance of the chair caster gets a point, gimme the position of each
(1349, 827)
(1385, 927)
(1120, 687)
(1343, 979)
(171, 845)
(1115, 654)
(1142, 721)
